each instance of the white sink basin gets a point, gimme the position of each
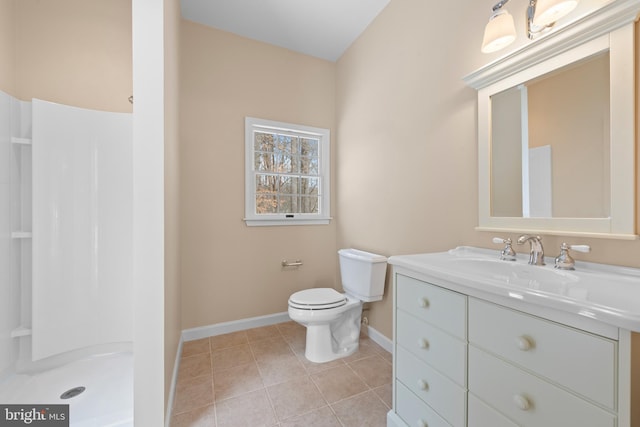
(607, 293)
(516, 273)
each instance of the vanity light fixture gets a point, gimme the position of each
(547, 12)
(500, 30)
(541, 15)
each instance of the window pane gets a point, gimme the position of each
(295, 145)
(263, 162)
(309, 166)
(308, 205)
(289, 185)
(309, 147)
(285, 160)
(309, 186)
(264, 157)
(263, 141)
(288, 204)
(266, 204)
(285, 164)
(295, 164)
(282, 153)
(266, 184)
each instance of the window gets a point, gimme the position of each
(286, 173)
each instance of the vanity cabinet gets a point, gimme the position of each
(463, 360)
(430, 354)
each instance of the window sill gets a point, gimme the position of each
(252, 222)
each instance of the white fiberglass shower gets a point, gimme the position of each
(66, 193)
(82, 228)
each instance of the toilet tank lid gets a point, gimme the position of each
(362, 255)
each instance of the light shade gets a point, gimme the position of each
(549, 11)
(499, 32)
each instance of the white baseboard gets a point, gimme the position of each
(380, 339)
(233, 326)
(256, 322)
(172, 388)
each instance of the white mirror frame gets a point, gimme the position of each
(609, 28)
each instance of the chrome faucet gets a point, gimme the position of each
(564, 261)
(536, 254)
(507, 254)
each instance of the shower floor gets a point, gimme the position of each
(107, 400)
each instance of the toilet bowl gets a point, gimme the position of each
(332, 318)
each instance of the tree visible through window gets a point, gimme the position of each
(287, 171)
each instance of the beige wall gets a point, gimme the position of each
(7, 47)
(172, 306)
(406, 134)
(75, 52)
(401, 101)
(230, 271)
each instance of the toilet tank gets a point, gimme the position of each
(362, 274)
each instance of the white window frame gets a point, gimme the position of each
(251, 217)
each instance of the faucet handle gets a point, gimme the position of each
(580, 248)
(564, 261)
(507, 254)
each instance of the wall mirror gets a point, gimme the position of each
(556, 131)
(550, 144)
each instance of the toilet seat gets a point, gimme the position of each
(317, 299)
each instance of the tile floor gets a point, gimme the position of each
(260, 377)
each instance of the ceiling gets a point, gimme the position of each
(320, 28)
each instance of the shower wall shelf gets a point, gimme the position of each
(20, 181)
(20, 227)
(21, 141)
(20, 331)
(21, 235)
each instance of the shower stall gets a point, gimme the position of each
(66, 253)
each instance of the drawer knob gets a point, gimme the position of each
(521, 402)
(423, 343)
(423, 302)
(423, 385)
(422, 423)
(524, 343)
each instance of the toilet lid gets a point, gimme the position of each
(317, 299)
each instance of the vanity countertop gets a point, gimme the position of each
(604, 293)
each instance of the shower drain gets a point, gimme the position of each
(72, 392)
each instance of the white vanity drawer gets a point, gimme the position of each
(527, 399)
(578, 360)
(432, 345)
(431, 303)
(414, 411)
(439, 392)
(481, 415)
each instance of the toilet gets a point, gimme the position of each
(332, 319)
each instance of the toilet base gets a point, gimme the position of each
(327, 341)
(317, 350)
